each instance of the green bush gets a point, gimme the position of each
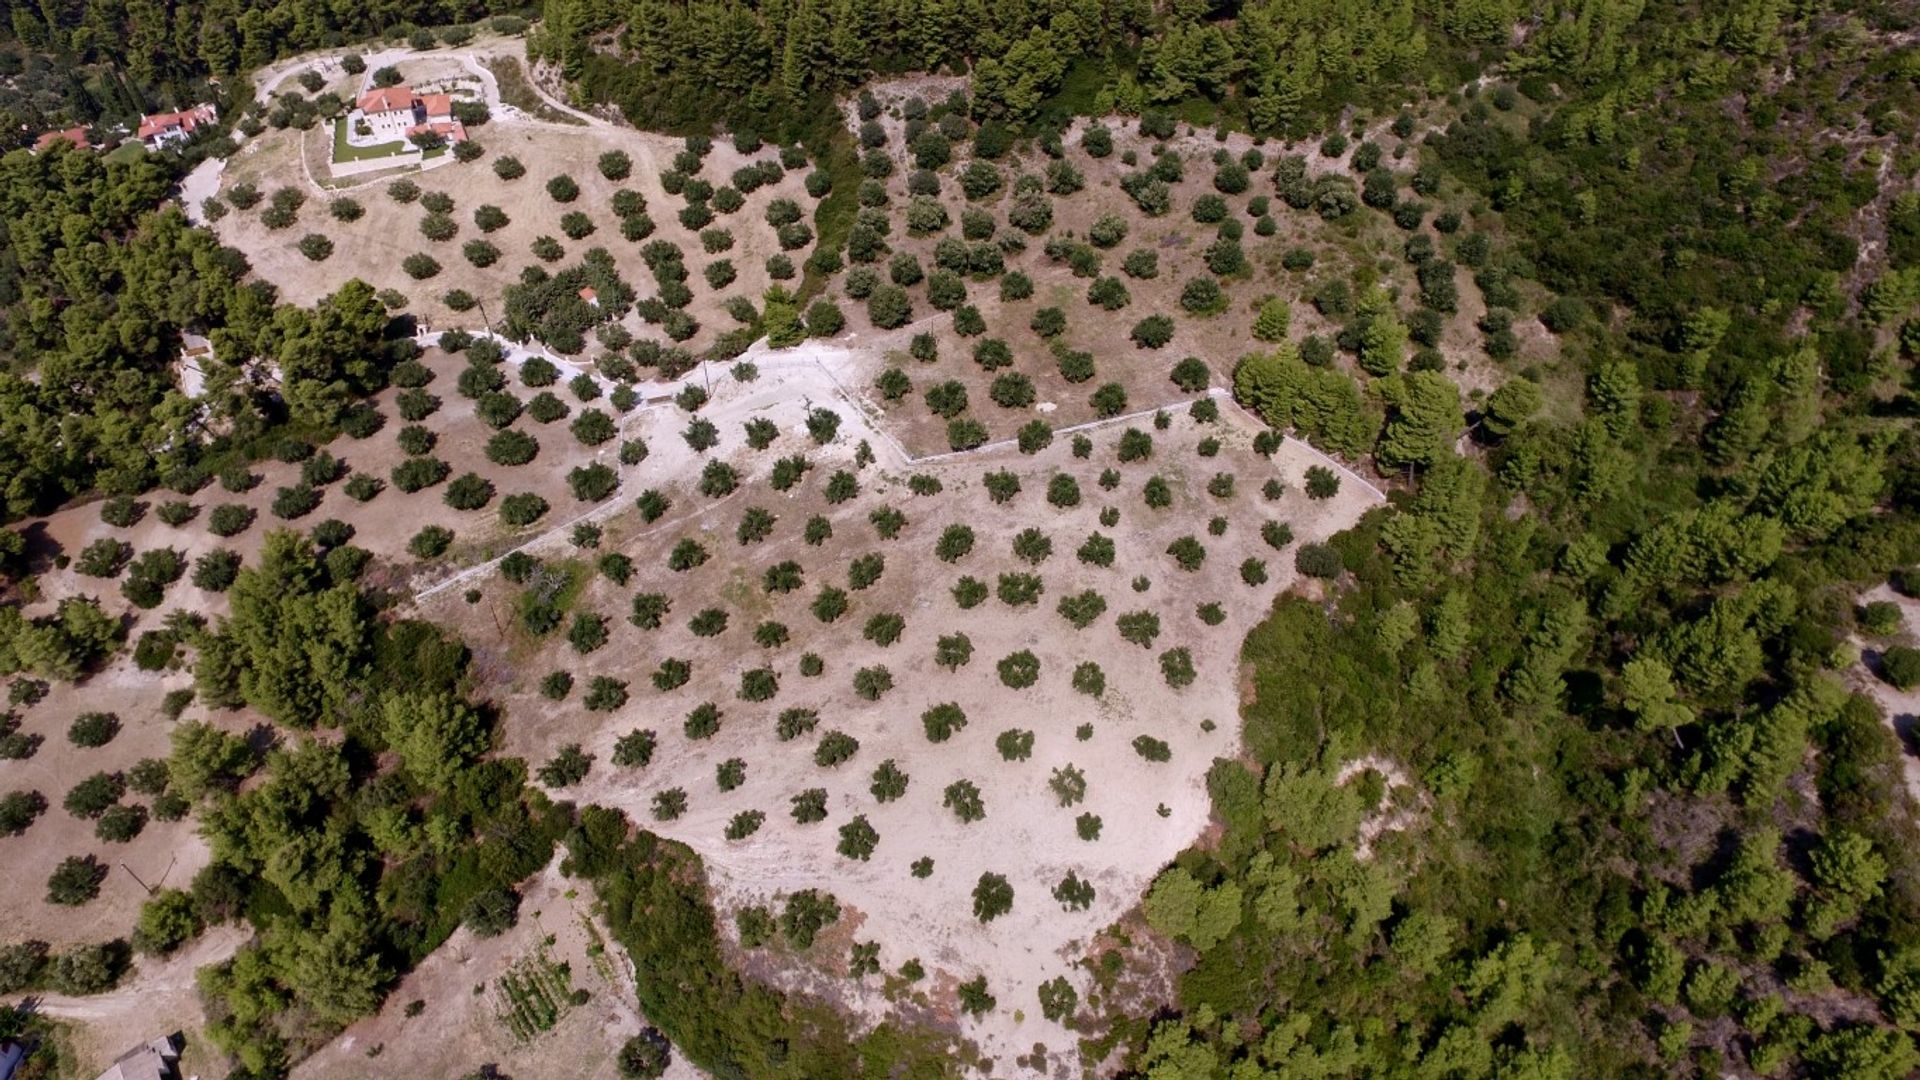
(93, 729)
(1900, 667)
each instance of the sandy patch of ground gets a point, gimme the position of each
(1400, 805)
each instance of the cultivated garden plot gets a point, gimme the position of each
(552, 988)
(881, 699)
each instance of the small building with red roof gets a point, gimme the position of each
(75, 135)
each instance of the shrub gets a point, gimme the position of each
(93, 729)
(18, 811)
(835, 747)
(216, 570)
(1109, 400)
(1012, 390)
(992, 897)
(963, 798)
(293, 503)
(1187, 553)
(1900, 667)
(969, 592)
(869, 683)
(1139, 627)
(1014, 745)
(1203, 296)
(645, 1056)
(1152, 332)
(563, 189)
(605, 694)
(858, 838)
(1108, 293)
(592, 483)
(744, 824)
(669, 804)
(942, 721)
(1176, 666)
(1152, 749)
(76, 880)
(1322, 482)
(469, 492)
(522, 509)
(491, 912)
(481, 253)
(105, 557)
(1019, 670)
(634, 749)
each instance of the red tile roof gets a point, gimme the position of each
(587, 294)
(184, 120)
(386, 99)
(451, 130)
(75, 135)
(437, 104)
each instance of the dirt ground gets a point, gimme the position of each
(165, 853)
(460, 1027)
(1033, 838)
(159, 999)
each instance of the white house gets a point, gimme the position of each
(396, 112)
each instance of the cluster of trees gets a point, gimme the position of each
(93, 330)
(174, 47)
(1276, 65)
(350, 872)
(553, 309)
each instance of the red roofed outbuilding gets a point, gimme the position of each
(75, 135)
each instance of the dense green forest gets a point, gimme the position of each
(1607, 639)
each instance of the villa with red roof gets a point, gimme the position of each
(396, 112)
(164, 129)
